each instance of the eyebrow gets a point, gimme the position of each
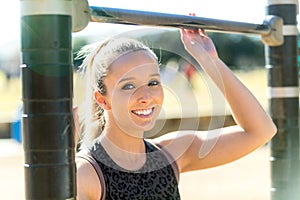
(132, 78)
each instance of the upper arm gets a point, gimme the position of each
(195, 150)
(88, 183)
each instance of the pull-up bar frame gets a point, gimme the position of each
(134, 17)
(270, 30)
(47, 122)
(270, 27)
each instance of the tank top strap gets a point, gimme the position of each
(169, 157)
(86, 154)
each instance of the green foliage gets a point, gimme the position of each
(237, 51)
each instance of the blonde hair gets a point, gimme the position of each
(98, 58)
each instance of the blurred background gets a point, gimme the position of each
(247, 178)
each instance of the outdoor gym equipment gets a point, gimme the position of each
(46, 46)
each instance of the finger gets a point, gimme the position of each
(185, 38)
(75, 108)
(193, 29)
(202, 32)
(76, 125)
(184, 32)
(185, 35)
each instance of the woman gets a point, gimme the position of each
(126, 96)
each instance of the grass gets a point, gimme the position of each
(204, 99)
(256, 81)
(176, 93)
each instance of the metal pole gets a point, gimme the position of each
(125, 16)
(47, 98)
(270, 30)
(281, 63)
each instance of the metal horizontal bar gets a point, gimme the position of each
(134, 17)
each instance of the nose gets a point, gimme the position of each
(143, 95)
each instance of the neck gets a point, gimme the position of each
(127, 151)
(128, 142)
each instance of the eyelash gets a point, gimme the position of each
(153, 83)
(130, 86)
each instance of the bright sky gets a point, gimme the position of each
(248, 11)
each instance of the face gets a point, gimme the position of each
(134, 92)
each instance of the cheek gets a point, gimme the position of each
(159, 95)
(120, 102)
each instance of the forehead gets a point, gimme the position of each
(137, 62)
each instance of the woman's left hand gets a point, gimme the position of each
(198, 44)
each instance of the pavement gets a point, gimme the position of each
(245, 179)
(11, 170)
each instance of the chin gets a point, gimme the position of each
(146, 126)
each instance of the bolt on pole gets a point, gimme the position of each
(49, 165)
(283, 93)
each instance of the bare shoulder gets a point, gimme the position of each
(88, 183)
(177, 139)
(177, 143)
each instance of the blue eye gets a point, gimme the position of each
(154, 83)
(128, 86)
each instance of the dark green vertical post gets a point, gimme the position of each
(281, 63)
(47, 98)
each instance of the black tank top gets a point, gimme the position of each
(156, 180)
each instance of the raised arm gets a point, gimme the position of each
(254, 127)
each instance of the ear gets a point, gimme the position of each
(101, 100)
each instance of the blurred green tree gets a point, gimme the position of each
(237, 51)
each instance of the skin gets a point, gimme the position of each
(130, 94)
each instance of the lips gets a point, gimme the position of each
(143, 112)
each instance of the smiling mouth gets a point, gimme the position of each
(143, 112)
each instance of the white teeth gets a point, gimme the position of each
(143, 112)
